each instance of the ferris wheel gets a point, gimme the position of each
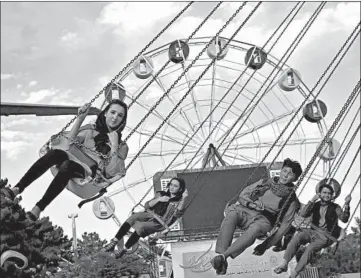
(206, 128)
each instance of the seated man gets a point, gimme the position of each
(324, 222)
(281, 245)
(256, 212)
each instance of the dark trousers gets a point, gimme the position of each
(67, 170)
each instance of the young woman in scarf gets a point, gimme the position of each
(104, 136)
(168, 205)
(256, 212)
(324, 215)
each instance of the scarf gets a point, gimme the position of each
(161, 207)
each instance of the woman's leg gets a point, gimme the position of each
(53, 157)
(136, 217)
(67, 170)
(133, 239)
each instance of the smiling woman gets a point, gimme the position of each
(98, 140)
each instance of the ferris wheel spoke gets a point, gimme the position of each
(227, 132)
(185, 118)
(158, 115)
(167, 138)
(195, 160)
(239, 157)
(146, 179)
(162, 153)
(194, 99)
(240, 135)
(306, 141)
(212, 97)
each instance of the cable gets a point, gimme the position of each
(123, 70)
(235, 82)
(299, 36)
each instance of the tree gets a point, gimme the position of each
(92, 262)
(346, 258)
(40, 242)
(49, 252)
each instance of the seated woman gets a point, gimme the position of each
(169, 205)
(325, 215)
(256, 212)
(104, 136)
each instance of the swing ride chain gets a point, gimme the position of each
(319, 91)
(254, 97)
(139, 203)
(319, 148)
(348, 131)
(348, 171)
(122, 71)
(172, 86)
(299, 36)
(337, 165)
(293, 9)
(302, 104)
(343, 155)
(108, 158)
(167, 63)
(214, 129)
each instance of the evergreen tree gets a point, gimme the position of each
(91, 262)
(347, 257)
(40, 242)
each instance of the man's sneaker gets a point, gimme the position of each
(223, 270)
(217, 262)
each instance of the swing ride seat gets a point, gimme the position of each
(166, 229)
(84, 188)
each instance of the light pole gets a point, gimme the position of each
(75, 247)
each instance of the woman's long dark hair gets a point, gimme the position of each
(101, 140)
(161, 207)
(182, 187)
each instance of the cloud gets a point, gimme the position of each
(36, 97)
(153, 93)
(347, 14)
(70, 39)
(14, 148)
(19, 86)
(33, 83)
(104, 80)
(6, 76)
(24, 121)
(67, 97)
(14, 142)
(134, 17)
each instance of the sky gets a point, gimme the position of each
(67, 54)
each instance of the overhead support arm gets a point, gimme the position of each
(8, 109)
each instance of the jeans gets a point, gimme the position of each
(68, 169)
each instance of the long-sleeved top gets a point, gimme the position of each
(273, 195)
(86, 137)
(170, 211)
(325, 216)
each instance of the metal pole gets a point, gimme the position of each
(75, 244)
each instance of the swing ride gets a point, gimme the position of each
(221, 114)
